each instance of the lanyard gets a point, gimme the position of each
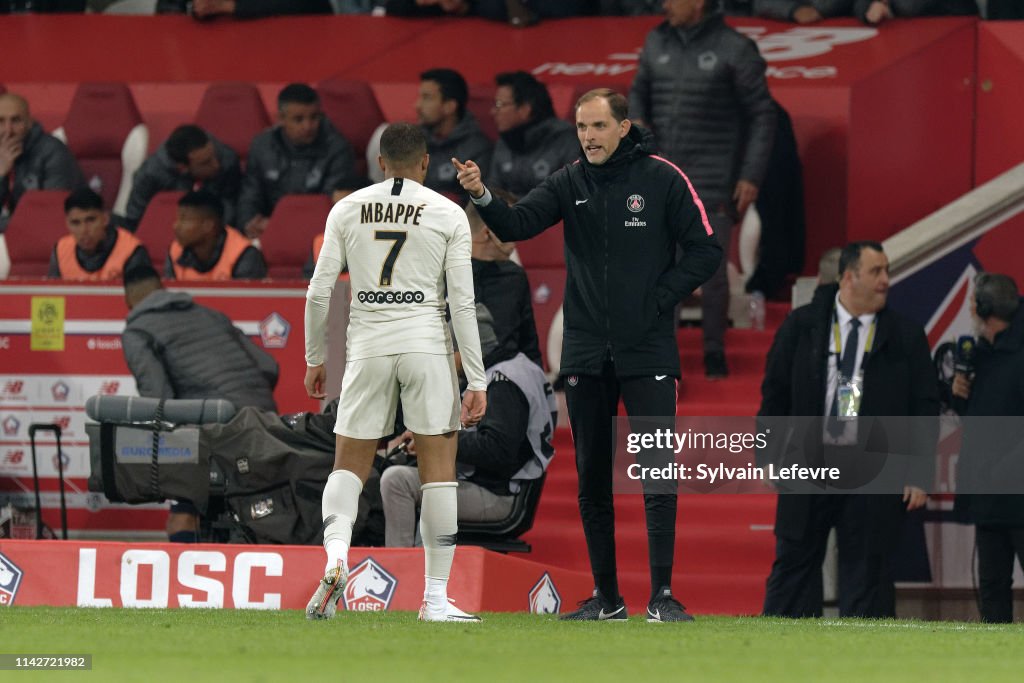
(839, 340)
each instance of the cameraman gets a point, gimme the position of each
(987, 454)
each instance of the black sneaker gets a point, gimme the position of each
(666, 608)
(714, 365)
(594, 609)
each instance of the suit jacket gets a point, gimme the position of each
(899, 380)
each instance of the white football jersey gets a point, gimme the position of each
(398, 239)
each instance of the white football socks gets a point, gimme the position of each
(438, 526)
(340, 507)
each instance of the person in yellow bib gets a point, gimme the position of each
(205, 249)
(93, 249)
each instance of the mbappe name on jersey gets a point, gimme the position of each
(379, 212)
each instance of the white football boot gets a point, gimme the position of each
(447, 613)
(324, 602)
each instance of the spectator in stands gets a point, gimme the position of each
(29, 158)
(452, 130)
(95, 249)
(501, 285)
(621, 290)
(700, 86)
(878, 11)
(205, 249)
(176, 348)
(845, 332)
(1004, 9)
(512, 444)
(252, 9)
(990, 455)
(303, 154)
(802, 11)
(190, 159)
(533, 143)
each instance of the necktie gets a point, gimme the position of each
(846, 365)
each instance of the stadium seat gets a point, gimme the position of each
(546, 250)
(156, 229)
(547, 288)
(353, 109)
(35, 226)
(481, 101)
(503, 535)
(296, 220)
(233, 113)
(105, 132)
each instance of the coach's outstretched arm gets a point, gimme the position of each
(531, 215)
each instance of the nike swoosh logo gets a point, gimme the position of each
(656, 614)
(660, 377)
(602, 615)
(581, 201)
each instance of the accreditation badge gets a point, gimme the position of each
(848, 396)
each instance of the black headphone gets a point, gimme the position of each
(982, 300)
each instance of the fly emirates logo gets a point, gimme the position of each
(782, 46)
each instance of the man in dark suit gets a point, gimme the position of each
(845, 337)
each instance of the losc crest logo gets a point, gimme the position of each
(370, 587)
(11, 425)
(544, 597)
(10, 579)
(60, 391)
(274, 331)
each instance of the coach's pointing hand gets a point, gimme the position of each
(469, 177)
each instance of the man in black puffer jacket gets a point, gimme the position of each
(701, 87)
(990, 457)
(624, 212)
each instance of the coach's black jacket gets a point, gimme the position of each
(899, 380)
(622, 220)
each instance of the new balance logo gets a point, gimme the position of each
(581, 201)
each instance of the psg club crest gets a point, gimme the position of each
(370, 587)
(635, 203)
(274, 331)
(544, 597)
(10, 579)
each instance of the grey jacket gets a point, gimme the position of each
(466, 141)
(176, 348)
(45, 164)
(703, 92)
(783, 9)
(159, 173)
(276, 167)
(526, 155)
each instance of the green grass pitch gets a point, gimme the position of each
(189, 646)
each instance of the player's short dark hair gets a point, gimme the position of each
(403, 144)
(296, 93)
(184, 140)
(452, 86)
(849, 257)
(205, 202)
(616, 102)
(140, 273)
(995, 295)
(528, 90)
(83, 198)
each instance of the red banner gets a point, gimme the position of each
(268, 577)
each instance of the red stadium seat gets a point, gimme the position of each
(105, 132)
(546, 250)
(481, 101)
(547, 289)
(353, 109)
(34, 228)
(234, 114)
(156, 229)
(296, 220)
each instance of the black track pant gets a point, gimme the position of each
(593, 404)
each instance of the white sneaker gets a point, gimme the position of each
(448, 613)
(324, 602)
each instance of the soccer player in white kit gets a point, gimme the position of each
(402, 244)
